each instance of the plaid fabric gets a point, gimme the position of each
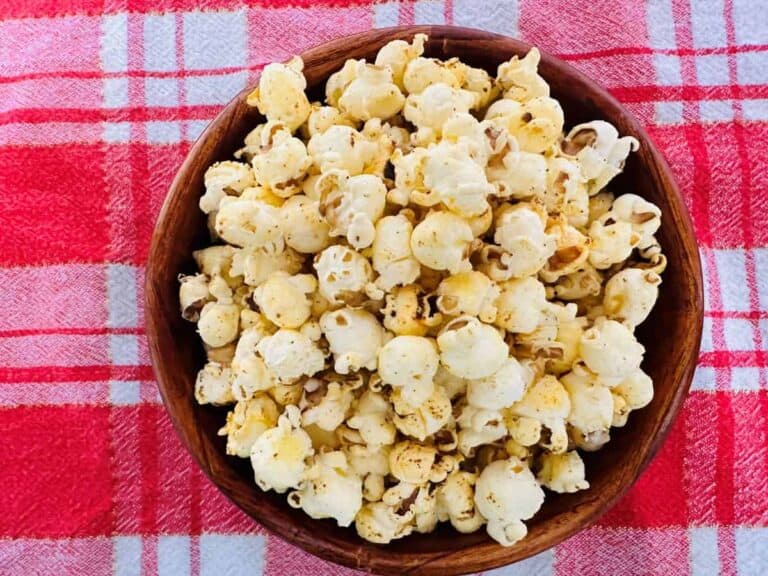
(99, 102)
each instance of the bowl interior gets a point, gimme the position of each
(671, 335)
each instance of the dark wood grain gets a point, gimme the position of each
(671, 335)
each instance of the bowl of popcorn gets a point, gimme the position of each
(423, 300)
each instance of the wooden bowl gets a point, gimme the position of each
(671, 335)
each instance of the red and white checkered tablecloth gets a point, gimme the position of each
(99, 102)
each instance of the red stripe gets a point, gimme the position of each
(642, 50)
(75, 373)
(722, 358)
(96, 75)
(133, 114)
(96, 331)
(747, 315)
(448, 12)
(148, 418)
(687, 93)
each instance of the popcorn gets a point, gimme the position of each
(193, 295)
(279, 455)
(408, 313)
(330, 490)
(453, 177)
(471, 349)
(520, 231)
(411, 462)
(289, 354)
(303, 227)
(630, 295)
(610, 349)
(372, 418)
(599, 150)
(372, 93)
(546, 404)
(441, 241)
(323, 117)
(479, 426)
(421, 73)
(520, 305)
(409, 363)
(281, 162)
(280, 95)
(562, 473)
(536, 124)
(284, 300)
(249, 223)
(224, 178)
(351, 205)
(429, 109)
(255, 265)
(219, 323)
(644, 217)
(392, 255)
(343, 148)
(507, 493)
(425, 420)
(342, 275)
(519, 77)
(468, 294)
(610, 243)
(501, 389)
(354, 337)
(591, 402)
(246, 422)
(397, 54)
(422, 291)
(212, 385)
(325, 404)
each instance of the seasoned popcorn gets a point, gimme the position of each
(420, 299)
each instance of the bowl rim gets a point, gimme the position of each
(492, 555)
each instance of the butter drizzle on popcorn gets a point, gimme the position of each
(421, 296)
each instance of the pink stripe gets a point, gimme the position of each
(700, 459)
(607, 552)
(750, 468)
(126, 472)
(54, 350)
(66, 93)
(49, 134)
(29, 393)
(49, 45)
(91, 556)
(71, 295)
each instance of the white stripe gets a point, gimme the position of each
(173, 556)
(761, 271)
(195, 128)
(749, 18)
(115, 92)
(114, 43)
(386, 14)
(751, 551)
(745, 379)
(703, 257)
(121, 296)
(500, 17)
(127, 556)
(124, 349)
(163, 132)
(755, 109)
(669, 112)
(661, 23)
(160, 42)
(738, 334)
(703, 551)
(214, 89)
(539, 565)
(124, 393)
(706, 335)
(703, 379)
(116, 132)
(732, 273)
(716, 110)
(667, 69)
(233, 555)
(708, 24)
(52, 393)
(429, 12)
